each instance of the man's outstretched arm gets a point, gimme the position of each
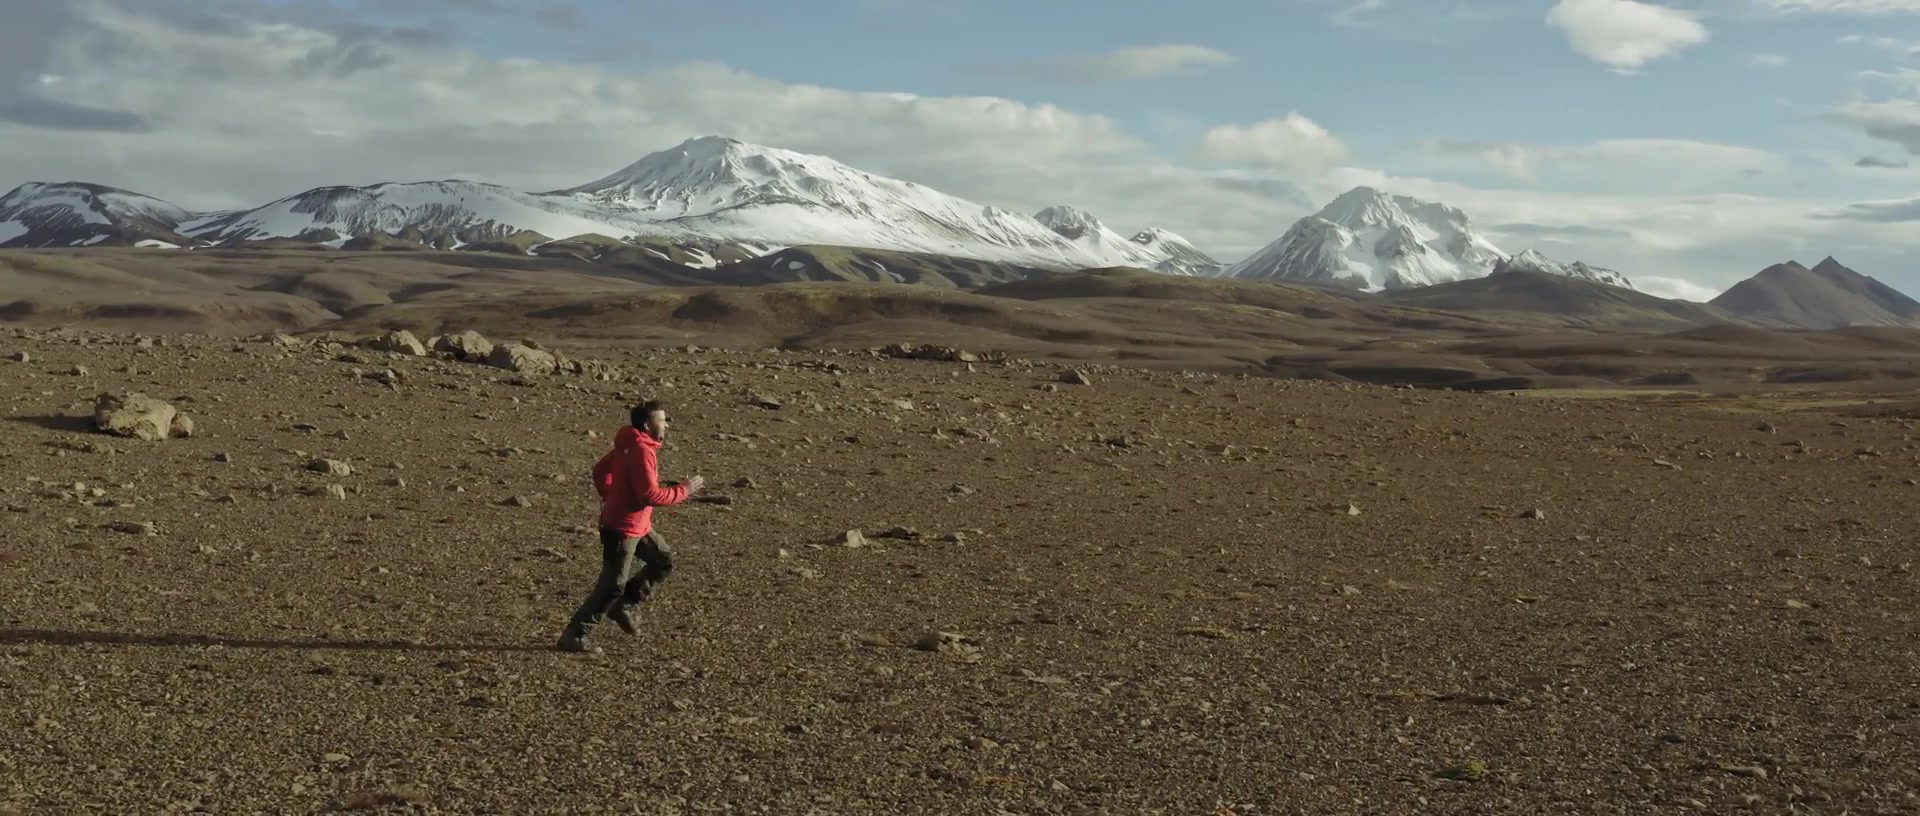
(646, 483)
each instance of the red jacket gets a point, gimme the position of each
(628, 479)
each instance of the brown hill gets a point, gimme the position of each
(1522, 296)
(1827, 296)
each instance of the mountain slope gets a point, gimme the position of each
(78, 214)
(1533, 261)
(463, 211)
(1155, 249)
(1827, 296)
(1532, 296)
(1173, 254)
(1368, 239)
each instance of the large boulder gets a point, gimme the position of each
(138, 416)
(522, 359)
(399, 341)
(468, 345)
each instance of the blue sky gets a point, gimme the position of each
(1695, 140)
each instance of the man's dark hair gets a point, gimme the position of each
(641, 412)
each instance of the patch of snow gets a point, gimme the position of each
(796, 265)
(91, 241)
(151, 243)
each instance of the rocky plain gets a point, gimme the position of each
(960, 585)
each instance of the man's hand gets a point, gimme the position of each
(694, 484)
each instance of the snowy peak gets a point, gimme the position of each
(1072, 223)
(1369, 239)
(1154, 248)
(1532, 261)
(39, 214)
(712, 172)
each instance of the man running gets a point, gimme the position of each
(628, 480)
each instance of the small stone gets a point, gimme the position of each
(78, 371)
(133, 527)
(21, 357)
(1535, 514)
(223, 456)
(1076, 377)
(853, 539)
(331, 467)
(335, 491)
(760, 401)
(1748, 771)
(1352, 510)
(745, 483)
(516, 501)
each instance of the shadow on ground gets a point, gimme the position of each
(63, 638)
(58, 422)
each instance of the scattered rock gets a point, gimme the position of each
(137, 416)
(852, 538)
(144, 528)
(1076, 377)
(399, 341)
(469, 346)
(181, 426)
(21, 357)
(1472, 770)
(1748, 771)
(762, 401)
(958, 646)
(334, 491)
(522, 358)
(745, 483)
(516, 501)
(331, 467)
(78, 371)
(1535, 514)
(223, 457)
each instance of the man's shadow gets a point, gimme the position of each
(62, 638)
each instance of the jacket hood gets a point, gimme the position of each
(631, 437)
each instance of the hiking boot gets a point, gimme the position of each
(574, 642)
(622, 616)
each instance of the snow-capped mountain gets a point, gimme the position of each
(1154, 249)
(709, 194)
(465, 211)
(707, 188)
(74, 214)
(1371, 240)
(1533, 261)
(1176, 255)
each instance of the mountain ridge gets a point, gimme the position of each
(1827, 295)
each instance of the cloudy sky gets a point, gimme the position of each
(1688, 144)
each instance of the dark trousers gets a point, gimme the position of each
(614, 588)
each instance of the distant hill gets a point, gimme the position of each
(1828, 296)
(1528, 296)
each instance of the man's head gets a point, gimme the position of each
(650, 418)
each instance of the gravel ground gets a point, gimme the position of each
(1156, 593)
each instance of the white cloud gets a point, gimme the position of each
(1907, 48)
(1651, 162)
(1767, 61)
(1145, 62)
(1861, 7)
(1625, 34)
(1895, 120)
(1292, 142)
(1675, 288)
